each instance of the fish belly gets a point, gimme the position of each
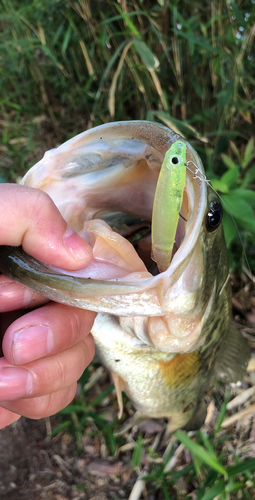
(159, 384)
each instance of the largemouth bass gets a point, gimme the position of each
(137, 192)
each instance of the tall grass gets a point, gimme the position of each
(67, 66)
(83, 63)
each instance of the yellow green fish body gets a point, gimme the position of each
(163, 330)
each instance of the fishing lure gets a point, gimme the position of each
(167, 204)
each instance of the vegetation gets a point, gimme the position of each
(70, 65)
(206, 464)
(67, 66)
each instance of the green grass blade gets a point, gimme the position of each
(136, 458)
(66, 39)
(215, 490)
(222, 414)
(200, 452)
(247, 465)
(128, 21)
(201, 41)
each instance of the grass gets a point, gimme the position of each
(215, 462)
(67, 66)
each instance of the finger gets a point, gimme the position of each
(47, 375)
(45, 331)
(7, 417)
(15, 296)
(43, 406)
(33, 221)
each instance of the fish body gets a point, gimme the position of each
(165, 336)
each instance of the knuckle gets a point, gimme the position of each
(41, 207)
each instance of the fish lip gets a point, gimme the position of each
(160, 138)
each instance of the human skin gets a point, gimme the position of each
(45, 350)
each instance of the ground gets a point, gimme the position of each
(34, 467)
(75, 455)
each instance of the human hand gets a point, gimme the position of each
(47, 349)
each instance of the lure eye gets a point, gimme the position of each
(175, 160)
(214, 216)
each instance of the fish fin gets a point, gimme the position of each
(198, 417)
(234, 357)
(119, 385)
(137, 419)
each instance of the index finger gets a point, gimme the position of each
(32, 220)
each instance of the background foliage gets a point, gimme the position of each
(67, 66)
(70, 65)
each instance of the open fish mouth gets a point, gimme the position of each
(103, 181)
(109, 184)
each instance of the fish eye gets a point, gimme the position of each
(175, 160)
(214, 216)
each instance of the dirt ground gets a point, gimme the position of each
(35, 466)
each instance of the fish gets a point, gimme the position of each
(136, 191)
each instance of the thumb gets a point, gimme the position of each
(31, 219)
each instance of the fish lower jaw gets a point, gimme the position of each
(166, 333)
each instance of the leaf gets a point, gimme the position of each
(240, 209)
(246, 194)
(66, 39)
(105, 73)
(136, 458)
(174, 124)
(238, 14)
(58, 33)
(111, 100)
(249, 152)
(90, 68)
(214, 491)
(169, 121)
(72, 409)
(197, 88)
(205, 441)
(235, 150)
(226, 96)
(60, 428)
(165, 491)
(200, 452)
(197, 466)
(228, 161)
(219, 185)
(202, 42)
(128, 22)
(229, 228)
(230, 177)
(150, 61)
(242, 467)
(102, 395)
(222, 413)
(249, 177)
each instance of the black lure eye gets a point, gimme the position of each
(214, 216)
(175, 160)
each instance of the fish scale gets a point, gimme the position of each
(166, 337)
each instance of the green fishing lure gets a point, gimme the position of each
(167, 204)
